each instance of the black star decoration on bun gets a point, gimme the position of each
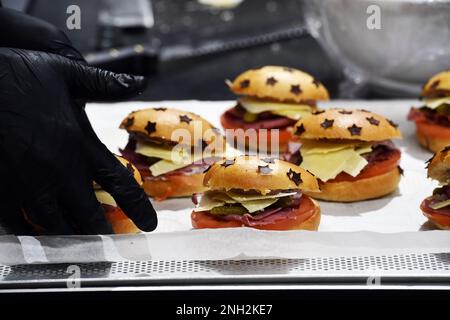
(228, 162)
(345, 112)
(318, 112)
(435, 84)
(300, 130)
(129, 122)
(295, 89)
(316, 82)
(130, 168)
(294, 177)
(271, 81)
(373, 121)
(327, 123)
(185, 118)
(354, 130)
(392, 123)
(160, 109)
(244, 84)
(264, 170)
(150, 127)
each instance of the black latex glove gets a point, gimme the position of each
(49, 153)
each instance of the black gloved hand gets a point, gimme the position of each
(49, 153)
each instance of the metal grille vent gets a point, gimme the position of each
(411, 262)
(425, 266)
(4, 271)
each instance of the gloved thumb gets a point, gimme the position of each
(94, 84)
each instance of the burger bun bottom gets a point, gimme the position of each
(174, 186)
(363, 189)
(431, 143)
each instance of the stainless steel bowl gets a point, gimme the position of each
(412, 44)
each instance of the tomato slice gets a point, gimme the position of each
(426, 127)
(306, 209)
(440, 216)
(372, 169)
(284, 135)
(429, 129)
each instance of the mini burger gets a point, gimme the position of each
(351, 153)
(272, 98)
(261, 193)
(116, 217)
(437, 207)
(433, 118)
(169, 148)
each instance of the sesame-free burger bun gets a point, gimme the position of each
(260, 174)
(160, 123)
(174, 186)
(438, 85)
(278, 83)
(358, 190)
(439, 166)
(431, 142)
(346, 124)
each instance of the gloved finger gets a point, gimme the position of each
(12, 220)
(45, 212)
(22, 31)
(117, 180)
(78, 198)
(94, 84)
(120, 183)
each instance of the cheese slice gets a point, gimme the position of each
(214, 199)
(164, 166)
(354, 164)
(435, 103)
(324, 146)
(257, 205)
(240, 198)
(440, 205)
(290, 110)
(153, 150)
(210, 200)
(326, 163)
(105, 198)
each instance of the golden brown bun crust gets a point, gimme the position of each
(160, 123)
(364, 189)
(347, 124)
(131, 168)
(432, 143)
(438, 85)
(279, 83)
(248, 173)
(439, 165)
(161, 189)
